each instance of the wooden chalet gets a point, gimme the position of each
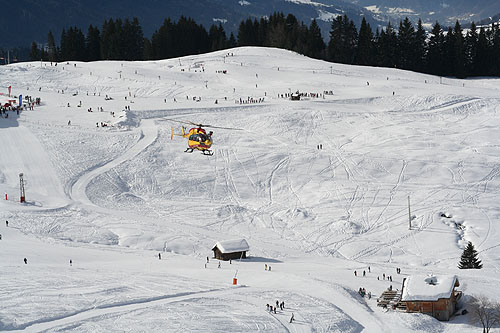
(432, 295)
(231, 249)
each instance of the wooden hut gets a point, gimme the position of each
(231, 249)
(295, 96)
(432, 295)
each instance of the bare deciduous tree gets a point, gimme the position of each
(486, 312)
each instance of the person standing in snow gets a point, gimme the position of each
(355, 273)
(6, 223)
(219, 265)
(265, 267)
(25, 261)
(364, 273)
(71, 262)
(208, 260)
(292, 318)
(159, 256)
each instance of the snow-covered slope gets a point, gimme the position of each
(111, 198)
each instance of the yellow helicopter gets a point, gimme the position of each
(197, 137)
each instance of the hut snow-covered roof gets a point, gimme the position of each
(428, 287)
(230, 246)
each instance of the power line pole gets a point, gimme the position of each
(21, 187)
(409, 214)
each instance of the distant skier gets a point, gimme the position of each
(208, 260)
(292, 318)
(71, 262)
(265, 267)
(6, 223)
(355, 273)
(159, 256)
(25, 261)
(364, 273)
(219, 265)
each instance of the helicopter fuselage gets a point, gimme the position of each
(199, 139)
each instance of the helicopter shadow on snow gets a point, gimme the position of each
(262, 259)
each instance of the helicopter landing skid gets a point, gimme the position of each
(188, 150)
(208, 152)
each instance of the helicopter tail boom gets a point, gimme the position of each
(183, 133)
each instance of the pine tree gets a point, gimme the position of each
(436, 51)
(406, 45)
(387, 47)
(316, 45)
(471, 44)
(420, 47)
(364, 50)
(469, 258)
(495, 49)
(483, 56)
(35, 52)
(148, 50)
(459, 49)
(51, 47)
(93, 44)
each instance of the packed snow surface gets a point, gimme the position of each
(320, 188)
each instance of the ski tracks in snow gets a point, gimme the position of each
(107, 309)
(149, 135)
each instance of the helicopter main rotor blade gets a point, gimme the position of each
(229, 128)
(178, 121)
(202, 125)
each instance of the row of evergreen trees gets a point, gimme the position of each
(447, 53)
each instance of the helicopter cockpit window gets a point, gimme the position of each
(200, 137)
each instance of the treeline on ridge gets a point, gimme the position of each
(445, 52)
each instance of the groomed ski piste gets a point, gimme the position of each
(110, 199)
